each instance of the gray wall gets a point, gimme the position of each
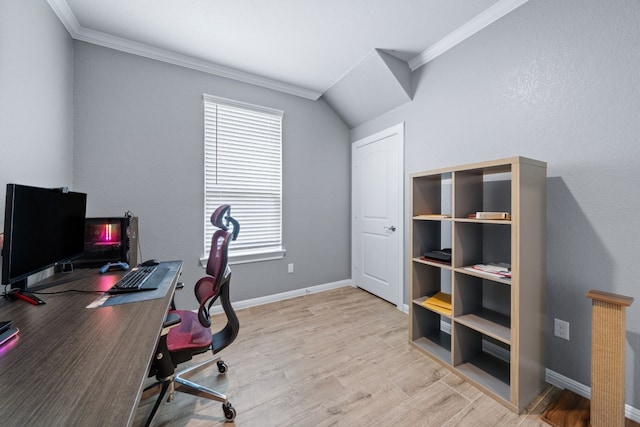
(139, 147)
(559, 82)
(556, 81)
(36, 110)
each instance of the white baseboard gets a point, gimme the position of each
(253, 302)
(563, 382)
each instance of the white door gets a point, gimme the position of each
(377, 214)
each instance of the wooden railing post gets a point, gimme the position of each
(608, 332)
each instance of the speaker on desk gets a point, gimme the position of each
(109, 239)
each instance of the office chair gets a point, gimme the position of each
(186, 333)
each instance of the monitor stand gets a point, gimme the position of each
(26, 296)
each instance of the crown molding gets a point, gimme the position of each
(77, 32)
(65, 15)
(476, 24)
(144, 50)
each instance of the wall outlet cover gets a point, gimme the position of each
(561, 329)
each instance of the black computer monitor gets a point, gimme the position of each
(42, 227)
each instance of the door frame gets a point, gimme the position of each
(393, 130)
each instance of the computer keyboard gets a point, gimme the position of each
(134, 280)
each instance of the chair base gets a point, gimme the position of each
(178, 382)
(197, 390)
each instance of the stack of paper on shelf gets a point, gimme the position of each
(440, 303)
(499, 270)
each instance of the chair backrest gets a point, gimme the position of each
(218, 255)
(216, 284)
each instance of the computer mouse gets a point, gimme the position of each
(150, 263)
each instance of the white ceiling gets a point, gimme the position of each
(297, 46)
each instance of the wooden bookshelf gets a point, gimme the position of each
(494, 337)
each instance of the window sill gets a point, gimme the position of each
(245, 257)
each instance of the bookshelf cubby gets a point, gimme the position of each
(494, 336)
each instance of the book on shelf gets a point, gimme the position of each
(490, 215)
(435, 216)
(440, 255)
(440, 302)
(437, 261)
(499, 270)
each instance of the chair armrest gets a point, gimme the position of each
(171, 320)
(179, 287)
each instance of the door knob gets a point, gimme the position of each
(392, 228)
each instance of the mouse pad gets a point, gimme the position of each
(107, 300)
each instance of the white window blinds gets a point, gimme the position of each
(243, 168)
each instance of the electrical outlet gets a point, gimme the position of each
(290, 268)
(561, 329)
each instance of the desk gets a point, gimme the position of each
(75, 366)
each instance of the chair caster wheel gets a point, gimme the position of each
(222, 367)
(229, 411)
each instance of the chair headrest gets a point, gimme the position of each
(218, 216)
(221, 218)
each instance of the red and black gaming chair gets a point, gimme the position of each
(186, 333)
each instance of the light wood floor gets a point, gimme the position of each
(335, 358)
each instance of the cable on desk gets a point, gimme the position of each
(6, 294)
(81, 291)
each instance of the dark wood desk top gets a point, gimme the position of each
(77, 366)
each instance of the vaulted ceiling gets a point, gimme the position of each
(302, 47)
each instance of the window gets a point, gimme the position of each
(243, 168)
